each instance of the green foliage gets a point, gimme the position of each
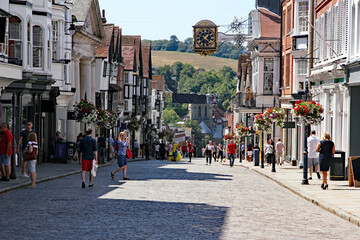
(180, 109)
(226, 50)
(170, 116)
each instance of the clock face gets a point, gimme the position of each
(205, 38)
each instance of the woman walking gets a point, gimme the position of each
(122, 144)
(326, 148)
(209, 150)
(220, 152)
(30, 156)
(269, 151)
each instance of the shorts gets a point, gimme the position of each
(249, 153)
(87, 165)
(32, 166)
(313, 162)
(5, 161)
(122, 160)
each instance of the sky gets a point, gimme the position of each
(159, 19)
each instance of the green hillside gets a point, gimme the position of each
(161, 58)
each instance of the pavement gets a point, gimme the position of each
(339, 198)
(47, 172)
(166, 200)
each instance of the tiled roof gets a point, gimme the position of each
(158, 83)
(130, 40)
(81, 9)
(270, 24)
(128, 54)
(217, 112)
(102, 50)
(146, 59)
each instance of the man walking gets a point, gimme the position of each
(231, 152)
(190, 149)
(5, 152)
(23, 143)
(88, 152)
(209, 150)
(313, 156)
(279, 151)
(102, 148)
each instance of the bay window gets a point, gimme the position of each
(38, 47)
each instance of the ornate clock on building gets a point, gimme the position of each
(205, 36)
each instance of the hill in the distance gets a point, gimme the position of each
(161, 58)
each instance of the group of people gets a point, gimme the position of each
(27, 150)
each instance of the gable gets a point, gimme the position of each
(268, 49)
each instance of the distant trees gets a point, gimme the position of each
(227, 49)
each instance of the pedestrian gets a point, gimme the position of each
(313, 156)
(195, 147)
(122, 145)
(279, 151)
(5, 152)
(157, 151)
(101, 141)
(30, 156)
(214, 152)
(269, 151)
(59, 138)
(23, 143)
(249, 151)
(209, 150)
(183, 150)
(109, 145)
(190, 149)
(326, 150)
(220, 151)
(147, 150)
(162, 150)
(231, 148)
(242, 151)
(78, 138)
(88, 153)
(136, 148)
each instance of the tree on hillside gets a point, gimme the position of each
(176, 69)
(180, 109)
(173, 44)
(170, 116)
(166, 72)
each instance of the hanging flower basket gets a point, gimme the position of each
(262, 123)
(110, 119)
(276, 115)
(241, 130)
(133, 125)
(167, 136)
(85, 112)
(308, 111)
(229, 136)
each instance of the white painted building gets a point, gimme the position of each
(327, 76)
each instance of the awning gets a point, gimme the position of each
(114, 88)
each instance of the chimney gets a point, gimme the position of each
(103, 16)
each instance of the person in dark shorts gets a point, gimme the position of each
(122, 145)
(102, 148)
(209, 150)
(326, 148)
(88, 152)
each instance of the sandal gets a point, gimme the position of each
(112, 175)
(125, 178)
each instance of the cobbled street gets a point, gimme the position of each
(167, 201)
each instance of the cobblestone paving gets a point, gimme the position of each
(167, 201)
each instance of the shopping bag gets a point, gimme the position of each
(128, 153)
(94, 168)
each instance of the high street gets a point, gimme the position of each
(167, 201)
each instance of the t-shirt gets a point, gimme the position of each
(122, 146)
(157, 148)
(136, 144)
(87, 148)
(190, 148)
(250, 147)
(231, 148)
(183, 148)
(209, 147)
(24, 134)
(312, 143)
(102, 142)
(5, 138)
(279, 147)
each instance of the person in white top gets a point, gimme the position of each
(279, 150)
(209, 151)
(313, 156)
(157, 151)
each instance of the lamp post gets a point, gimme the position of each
(305, 163)
(13, 173)
(273, 157)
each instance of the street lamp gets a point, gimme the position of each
(305, 179)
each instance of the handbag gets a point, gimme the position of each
(128, 153)
(31, 156)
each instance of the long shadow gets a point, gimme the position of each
(60, 209)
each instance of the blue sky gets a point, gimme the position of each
(159, 19)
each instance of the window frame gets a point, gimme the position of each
(39, 47)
